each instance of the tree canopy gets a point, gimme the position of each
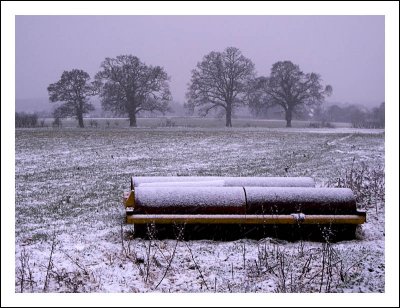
(129, 86)
(220, 81)
(288, 87)
(73, 89)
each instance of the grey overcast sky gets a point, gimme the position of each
(348, 51)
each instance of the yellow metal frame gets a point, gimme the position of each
(295, 218)
(129, 198)
(359, 218)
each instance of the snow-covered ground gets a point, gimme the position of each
(69, 185)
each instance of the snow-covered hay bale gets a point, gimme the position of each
(222, 181)
(190, 200)
(287, 200)
(207, 207)
(213, 183)
(270, 181)
(243, 200)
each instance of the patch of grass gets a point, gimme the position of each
(40, 236)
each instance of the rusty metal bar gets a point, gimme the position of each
(358, 218)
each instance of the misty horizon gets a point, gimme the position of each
(42, 104)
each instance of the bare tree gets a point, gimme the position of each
(74, 89)
(220, 81)
(335, 113)
(379, 115)
(257, 98)
(294, 90)
(129, 86)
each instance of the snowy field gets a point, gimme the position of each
(70, 233)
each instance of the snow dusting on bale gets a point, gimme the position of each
(244, 200)
(217, 183)
(270, 181)
(287, 200)
(228, 181)
(190, 200)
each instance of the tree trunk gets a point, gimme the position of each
(289, 117)
(229, 116)
(132, 120)
(80, 120)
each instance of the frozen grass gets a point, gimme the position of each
(69, 219)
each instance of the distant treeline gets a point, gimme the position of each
(324, 116)
(357, 116)
(23, 119)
